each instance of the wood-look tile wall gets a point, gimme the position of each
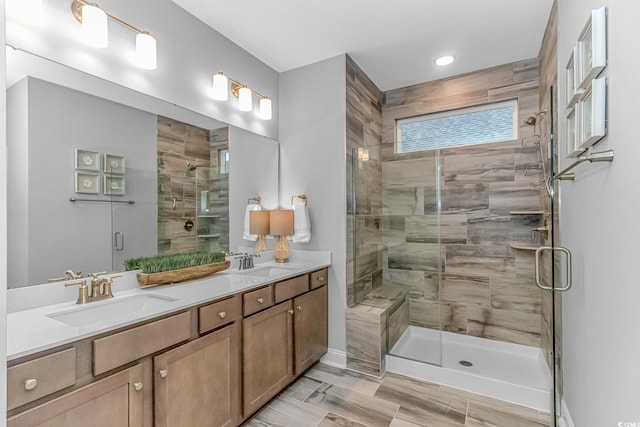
(364, 184)
(548, 82)
(178, 144)
(463, 273)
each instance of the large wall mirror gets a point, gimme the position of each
(148, 176)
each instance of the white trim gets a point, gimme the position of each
(565, 420)
(335, 358)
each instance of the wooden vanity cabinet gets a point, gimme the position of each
(203, 366)
(310, 328)
(280, 343)
(115, 401)
(198, 383)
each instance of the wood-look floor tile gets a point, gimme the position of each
(495, 404)
(333, 420)
(288, 412)
(302, 388)
(354, 406)
(422, 396)
(481, 414)
(351, 380)
(418, 417)
(397, 422)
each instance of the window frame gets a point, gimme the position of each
(457, 112)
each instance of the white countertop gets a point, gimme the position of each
(32, 330)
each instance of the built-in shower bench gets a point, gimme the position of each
(374, 325)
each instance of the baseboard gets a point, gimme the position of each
(335, 358)
(565, 420)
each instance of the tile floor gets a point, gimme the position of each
(332, 397)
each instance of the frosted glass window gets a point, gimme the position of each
(467, 126)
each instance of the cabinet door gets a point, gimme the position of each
(267, 355)
(310, 328)
(115, 401)
(198, 384)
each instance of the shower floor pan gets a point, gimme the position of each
(510, 372)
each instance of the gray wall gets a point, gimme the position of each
(312, 156)
(598, 213)
(255, 175)
(59, 234)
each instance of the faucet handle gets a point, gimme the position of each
(95, 275)
(108, 281)
(83, 293)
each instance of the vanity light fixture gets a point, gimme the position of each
(445, 60)
(220, 92)
(29, 11)
(95, 31)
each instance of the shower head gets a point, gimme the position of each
(533, 120)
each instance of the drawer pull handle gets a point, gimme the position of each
(320, 279)
(260, 300)
(137, 386)
(30, 384)
(222, 314)
(290, 311)
(299, 308)
(163, 373)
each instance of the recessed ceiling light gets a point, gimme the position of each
(445, 60)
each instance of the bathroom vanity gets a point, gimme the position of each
(211, 352)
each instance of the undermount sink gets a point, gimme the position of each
(114, 309)
(266, 271)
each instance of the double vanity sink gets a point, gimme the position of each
(138, 304)
(184, 354)
(43, 326)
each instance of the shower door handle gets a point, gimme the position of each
(569, 282)
(118, 241)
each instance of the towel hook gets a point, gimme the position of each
(301, 197)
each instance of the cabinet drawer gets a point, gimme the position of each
(258, 300)
(291, 288)
(40, 377)
(133, 344)
(219, 313)
(318, 278)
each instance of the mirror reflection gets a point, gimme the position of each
(93, 182)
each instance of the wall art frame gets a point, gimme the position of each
(115, 164)
(572, 131)
(592, 47)
(571, 74)
(87, 183)
(592, 113)
(114, 185)
(87, 160)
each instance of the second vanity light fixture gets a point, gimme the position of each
(95, 31)
(220, 92)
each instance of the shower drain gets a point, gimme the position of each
(465, 363)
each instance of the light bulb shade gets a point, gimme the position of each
(245, 101)
(95, 30)
(281, 222)
(29, 11)
(259, 222)
(220, 90)
(146, 51)
(265, 109)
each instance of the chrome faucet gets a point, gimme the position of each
(100, 288)
(246, 260)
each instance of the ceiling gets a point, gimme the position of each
(395, 42)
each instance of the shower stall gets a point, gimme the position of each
(442, 245)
